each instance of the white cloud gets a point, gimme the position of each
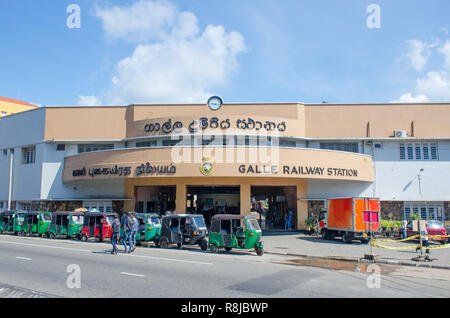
(175, 62)
(408, 98)
(445, 50)
(435, 84)
(418, 53)
(144, 20)
(89, 101)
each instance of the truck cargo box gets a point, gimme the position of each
(348, 214)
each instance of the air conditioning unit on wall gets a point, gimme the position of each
(400, 133)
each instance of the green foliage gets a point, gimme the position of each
(415, 216)
(309, 222)
(395, 225)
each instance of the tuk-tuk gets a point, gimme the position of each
(11, 221)
(97, 224)
(183, 229)
(149, 228)
(36, 223)
(235, 231)
(68, 224)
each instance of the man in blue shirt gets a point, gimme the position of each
(134, 229)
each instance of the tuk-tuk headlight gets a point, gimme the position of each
(252, 234)
(195, 233)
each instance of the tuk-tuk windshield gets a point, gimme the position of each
(46, 217)
(109, 220)
(20, 218)
(77, 219)
(154, 220)
(198, 222)
(252, 224)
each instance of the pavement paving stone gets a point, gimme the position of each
(304, 245)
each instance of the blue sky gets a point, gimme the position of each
(243, 50)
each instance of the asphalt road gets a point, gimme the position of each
(39, 267)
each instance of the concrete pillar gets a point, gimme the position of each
(245, 199)
(180, 199)
(302, 206)
(129, 194)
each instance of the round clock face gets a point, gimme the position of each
(215, 103)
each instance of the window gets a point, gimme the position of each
(418, 151)
(60, 147)
(144, 144)
(94, 147)
(287, 143)
(426, 211)
(170, 143)
(340, 146)
(29, 155)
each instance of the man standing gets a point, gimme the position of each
(115, 234)
(404, 225)
(134, 229)
(127, 227)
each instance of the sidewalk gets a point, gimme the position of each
(303, 245)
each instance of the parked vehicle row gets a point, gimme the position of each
(227, 231)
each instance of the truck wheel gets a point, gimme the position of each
(259, 251)
(444, 241)
(347, 237)
(325, 234)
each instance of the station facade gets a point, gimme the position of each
(240, 159)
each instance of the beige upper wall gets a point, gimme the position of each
(347, 121)
(312, 121)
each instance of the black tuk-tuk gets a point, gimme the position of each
(183, 229)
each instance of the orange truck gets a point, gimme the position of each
(350, 218)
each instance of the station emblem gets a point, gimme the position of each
(207, 168)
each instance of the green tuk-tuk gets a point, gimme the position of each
(149, 228)
(36, 223)
(11, 221)
(68, 224)
(235, 231)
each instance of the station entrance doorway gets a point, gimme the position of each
(212, 200)
(154, 199)
(270, 204)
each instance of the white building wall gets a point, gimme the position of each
(18, 131)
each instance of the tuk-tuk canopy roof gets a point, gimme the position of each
(90, 213)
(183, 215)
(229, 217)
(68, 213)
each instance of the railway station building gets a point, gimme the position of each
(238, 158)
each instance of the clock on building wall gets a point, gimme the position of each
(215, 103)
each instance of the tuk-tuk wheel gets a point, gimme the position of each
(213, 248)
(51, 235)
(228, 249)
(203, 245)
(259, 251)
(164, 243)
(84, 238)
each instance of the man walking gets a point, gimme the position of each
(134, 229)
(115, 234)
(127, 227)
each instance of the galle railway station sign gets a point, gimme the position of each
(148, 169)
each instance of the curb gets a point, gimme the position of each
(359, 260)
